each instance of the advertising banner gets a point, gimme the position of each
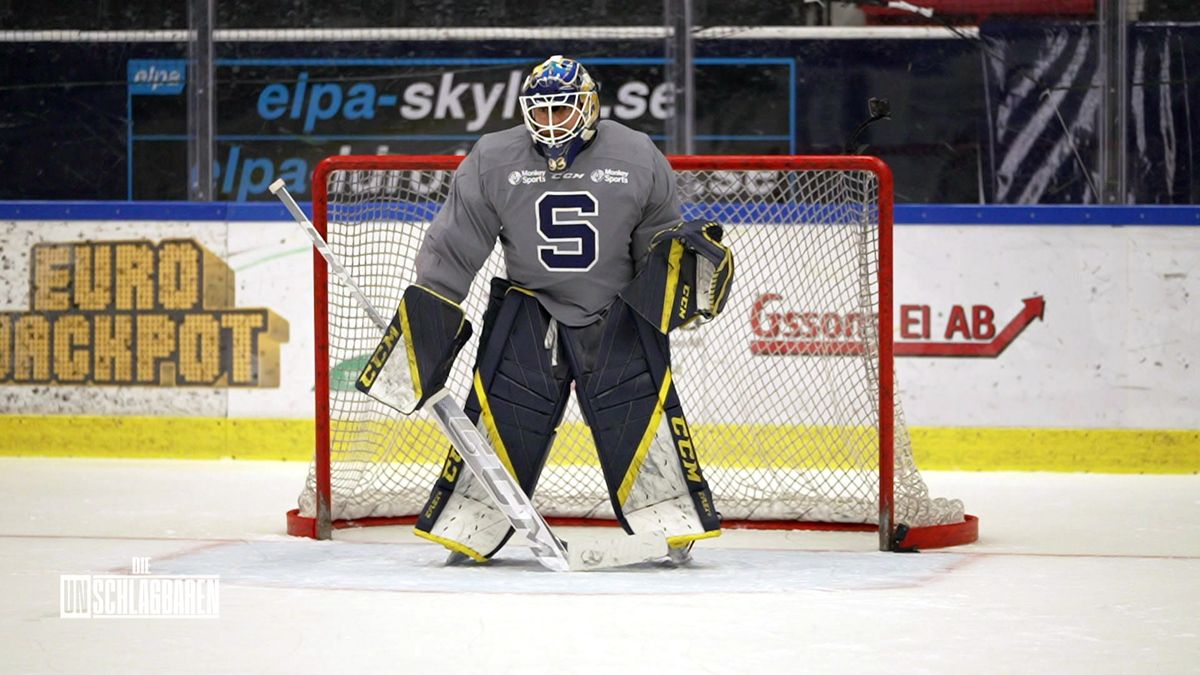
(280, 116)
(155, 318)
(995, 326)
(109, 120)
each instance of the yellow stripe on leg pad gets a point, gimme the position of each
(452, 545)
(639, 457)
(489, 423)
(683, 539)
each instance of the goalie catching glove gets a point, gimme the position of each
(687, 274)
(428, 331)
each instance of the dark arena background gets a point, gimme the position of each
(292, 82)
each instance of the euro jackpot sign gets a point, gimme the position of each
(137, 313)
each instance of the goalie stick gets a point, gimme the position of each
(552, 552)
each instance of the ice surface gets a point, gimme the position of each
(418, 567)
(1073, 573)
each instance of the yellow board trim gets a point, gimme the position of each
(452, 545)
(138, 437)
(639, 457)
(489, 423)
(673, 259)
(413, 371)
(1158, 451)
(1040, 449)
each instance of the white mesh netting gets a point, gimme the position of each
(781, 391)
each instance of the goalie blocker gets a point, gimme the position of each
(687, 274)
(428, 330)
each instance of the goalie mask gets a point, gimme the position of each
(561, 104)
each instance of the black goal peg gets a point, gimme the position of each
(898, 536)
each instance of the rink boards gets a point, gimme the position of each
(1027, 338)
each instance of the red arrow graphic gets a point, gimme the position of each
(1035, 308)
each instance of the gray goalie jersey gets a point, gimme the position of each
(573, 237)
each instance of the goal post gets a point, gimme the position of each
(790, 394)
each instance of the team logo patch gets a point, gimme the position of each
(526, 177)
(609, 176)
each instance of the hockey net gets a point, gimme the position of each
(788, 394)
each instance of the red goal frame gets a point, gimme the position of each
(890, 537)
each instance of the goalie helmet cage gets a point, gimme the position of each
(789, 394)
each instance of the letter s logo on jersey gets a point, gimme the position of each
(562, 221)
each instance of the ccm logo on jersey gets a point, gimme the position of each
(609, 176)
(527, 177)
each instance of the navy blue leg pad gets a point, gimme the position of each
(524, 393)
(620, 366)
